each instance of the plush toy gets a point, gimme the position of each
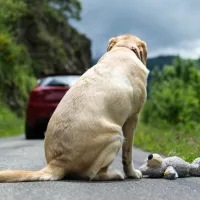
(170, 168)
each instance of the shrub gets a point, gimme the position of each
(174, 96)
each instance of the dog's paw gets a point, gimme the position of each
(136, 174)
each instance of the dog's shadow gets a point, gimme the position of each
(74, 180)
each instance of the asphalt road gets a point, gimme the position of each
(17, 153)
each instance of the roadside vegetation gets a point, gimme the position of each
(170, 120)
(35, 39)
(10, 124)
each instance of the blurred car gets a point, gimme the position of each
(43, 100)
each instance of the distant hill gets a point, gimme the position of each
(159, 61)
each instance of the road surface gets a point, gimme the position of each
(17, 153)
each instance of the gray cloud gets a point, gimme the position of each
(168, 27)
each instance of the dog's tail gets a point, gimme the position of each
(47, 174)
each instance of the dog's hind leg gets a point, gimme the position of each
(100, 169)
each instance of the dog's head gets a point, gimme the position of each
(138, 46)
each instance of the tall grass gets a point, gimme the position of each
(168, 140)
(10, 124)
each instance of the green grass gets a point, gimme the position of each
(168, 140)
(10, 124)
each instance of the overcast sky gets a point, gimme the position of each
(167, 26)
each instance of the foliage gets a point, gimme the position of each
(69, 8)
(174, 94)
(15, 75)
(10, 124)
(36, 39)
(11, 11)
(53, 45)
(170, 118)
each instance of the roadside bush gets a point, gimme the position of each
(10, 123)
(36, 39)
(15, 72)
(15, 75)
(174, 96)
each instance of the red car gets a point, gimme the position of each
(43, 100)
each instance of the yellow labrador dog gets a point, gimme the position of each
(95, 118)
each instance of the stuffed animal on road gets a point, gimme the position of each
(170, 167)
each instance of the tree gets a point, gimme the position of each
(36, 39)
(174, 96)
(15, 74)
(52, 43)
(69, 8)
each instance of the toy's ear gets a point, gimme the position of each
(154, 160)
(195, 167)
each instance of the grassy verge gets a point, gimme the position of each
(168, 140)
(10, 124)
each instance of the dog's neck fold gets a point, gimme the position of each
(140, 64)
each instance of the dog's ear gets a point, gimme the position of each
(143, 52)
(111, 43)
